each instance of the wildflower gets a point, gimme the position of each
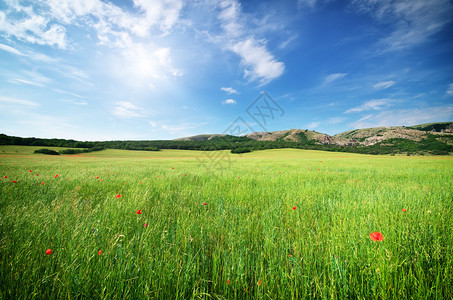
(97, 177)
(172, 168)
(404, 209)
(259, 282)
(30, 171)
(14, 181)
(42, 182)
(56, 176)
(204, 203)
(118, 196)
(228, 281)
(139, 212)
(145, 225)
(376, 236)
(294, 208)
(49, 251)
(100, 252)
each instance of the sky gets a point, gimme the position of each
(95, 70)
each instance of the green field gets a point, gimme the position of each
(276, 224)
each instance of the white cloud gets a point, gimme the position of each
(414, 21)
(15, 101)
(406, 117)
(384, 84)
(126, 110)
(450, 89)
(76, 102)
(332, 77)
(259, 63)
(229, 90)
(313, 125)
(374, 104)
(34, 29)
(165, 13)
(11, 49)
(229, 101)
(45, 21)
(18, 80)
(262, 65)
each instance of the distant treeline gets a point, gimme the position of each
(241, 145)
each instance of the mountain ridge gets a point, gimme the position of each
(356, 137)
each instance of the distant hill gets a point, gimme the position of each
(431, 138)
(199, 137)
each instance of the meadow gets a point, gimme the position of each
(273, 224)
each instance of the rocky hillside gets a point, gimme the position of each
(300, 136)
(384, 136)
(200, 137)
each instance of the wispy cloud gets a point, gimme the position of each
(450, 89)
(229, 101)
(333, 77)
(313, 125)
(76, 102)
(374, 104)
(11, 49)
(384, 84)
(18, 80)
(413, 21)
(229, 90)
(126, 110)
(405, 117)
(16, 101)
(258, 62)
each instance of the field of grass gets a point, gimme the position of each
(274, 224)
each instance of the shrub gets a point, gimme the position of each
(47, 151)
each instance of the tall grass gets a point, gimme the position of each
(276, 224)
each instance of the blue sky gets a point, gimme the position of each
(163, 69)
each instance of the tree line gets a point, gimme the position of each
(239, 145)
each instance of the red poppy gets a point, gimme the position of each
(376, 236)
(228, 281)
(404, 209)
(172, 168)
(118, 196)
(259, 282)
(294, 208)
(5, 176)
(37, 174)
(139, 212)
(100, 252)
(140, 182)
(97, 177)
(42, 182)
(56, 176)
(145, 225)
(204, 203)
(49, 251)
(319, 169)
(30, 171)
(14, 181)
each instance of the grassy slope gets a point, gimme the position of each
(247, 233)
